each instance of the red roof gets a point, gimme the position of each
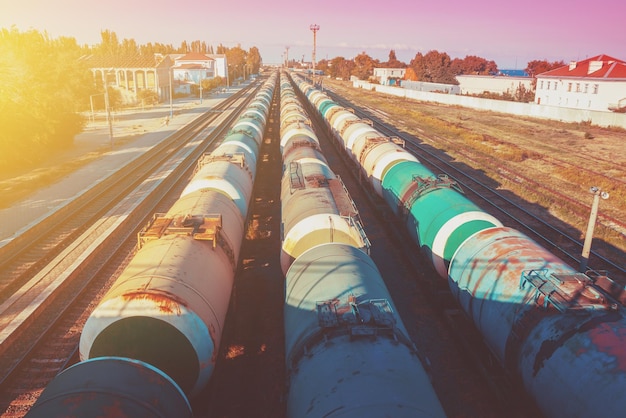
(195, 56)
(600, 66)
(191, 67)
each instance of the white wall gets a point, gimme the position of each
(477, 84)
(516, 108)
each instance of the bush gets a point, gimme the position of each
(148, 97)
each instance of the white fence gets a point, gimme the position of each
(522, 109)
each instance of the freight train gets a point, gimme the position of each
(555, 330)
(347, 351)
(154, 338)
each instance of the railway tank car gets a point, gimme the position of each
(347, 351)
(112, 387)
(552, 328)
(168, 307)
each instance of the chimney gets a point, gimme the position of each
(572, 65)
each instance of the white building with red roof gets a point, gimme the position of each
(193, 67)
(596, 83)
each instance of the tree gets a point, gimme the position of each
(472, 64)
(109, 45)
(340, 67)
(410, 74)
(541, 66)
(434, 67)
(236, 58)
(393, 62)
(43, 86)
(129, 47)
(253, 60)
(323, 66)
(364, 66)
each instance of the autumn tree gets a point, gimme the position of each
(393, 62)
(434, 67)
(410, 74)
(323, 66)
(341, 68)
(541, 66)
(364, 66)
(472, 64)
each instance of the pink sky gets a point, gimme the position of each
(507, 33)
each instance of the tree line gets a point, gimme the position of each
(433, 67)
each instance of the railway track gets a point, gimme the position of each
(551, 233)
(39, 330)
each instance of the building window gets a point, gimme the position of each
(548, 86)
(569, 86)
(578, 87)
(541, 85)
(555, 85)
(595, 88)
(586, 88)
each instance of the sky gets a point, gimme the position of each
(511, 34)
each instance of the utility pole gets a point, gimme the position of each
(314, 28)
(171, 95)
(597, 194)
(108, 106)
(287, 56)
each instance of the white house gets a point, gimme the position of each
(596, 83)
(220, 64)
(499, 84)
(389, 76)
(193, 67)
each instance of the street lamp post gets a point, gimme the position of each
(106, 102)
(227, 77)
(108, 107)
(93, 115)
(597, 194)
(171, 99)
(200, 89)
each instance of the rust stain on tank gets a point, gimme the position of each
(114, 411)
(168, 303)
(212, 333)
(610, 341)
(149, 375)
